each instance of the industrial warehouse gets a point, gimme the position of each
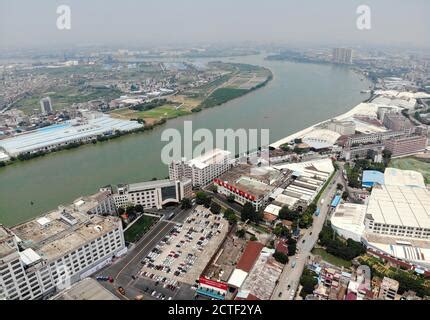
(81, 130)
(395, 219)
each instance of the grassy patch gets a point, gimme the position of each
(413, 164)
(331, 258)
(166, 111)
(222, 95)
(139, 228)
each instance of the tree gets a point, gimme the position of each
(386, 155)
(230, 216)
(214, 188)
(201, 197)
(215, 208)
(280, 257)
(281, 231)
(292, 246)
(249, 213)
(241, 233)
(121, 211)
(345, 195)
(308, 282)
(231, 198)
(186, 203)
(138, 208)
(306, 220)
(253, 238)
(285, 147)
(286, 214)
(339, 186)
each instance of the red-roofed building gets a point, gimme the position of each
(249, 256)
(282, 246)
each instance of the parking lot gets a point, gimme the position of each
(182, 255)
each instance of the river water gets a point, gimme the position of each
(298, 96)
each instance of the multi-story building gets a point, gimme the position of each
(371, 150)
(378, 137)
(344, 128)
(45, 255)
(396, 121)
(101, 203)
(249, 184)
(398, 211)
(342, 55)
(201, 170)
(153, 194)
(46, 105)
(402, 146)
(389, 288)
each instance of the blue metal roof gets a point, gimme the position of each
(370, 177)
(336, 201)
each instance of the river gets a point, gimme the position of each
(298, 96)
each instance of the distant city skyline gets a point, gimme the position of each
(27, 24)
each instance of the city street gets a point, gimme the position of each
(290, 277)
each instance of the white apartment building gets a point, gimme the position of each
(45, 255)
(153, 194)
(201, 170)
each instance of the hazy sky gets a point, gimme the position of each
(29, 23)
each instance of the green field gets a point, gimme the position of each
(331, 258)
(166, 111)
(222, 95)
(413, 164)
(139, 228)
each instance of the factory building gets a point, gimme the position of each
(74, 131)
(402, 146)
(249, 184)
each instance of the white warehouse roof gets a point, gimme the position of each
(237, 278)
(400, 205)
(348, 220)
(63, 133)
(397, 177)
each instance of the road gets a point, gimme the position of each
(290, 277)
(123, 270)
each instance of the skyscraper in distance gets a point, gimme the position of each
(46, 105)
(342, 55)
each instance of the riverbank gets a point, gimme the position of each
(361, 108)
(298, 96)
(213, 100)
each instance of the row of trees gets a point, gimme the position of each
(338, 247)
(303, 220)
(308, 281)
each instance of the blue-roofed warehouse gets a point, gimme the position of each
(370, 177)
